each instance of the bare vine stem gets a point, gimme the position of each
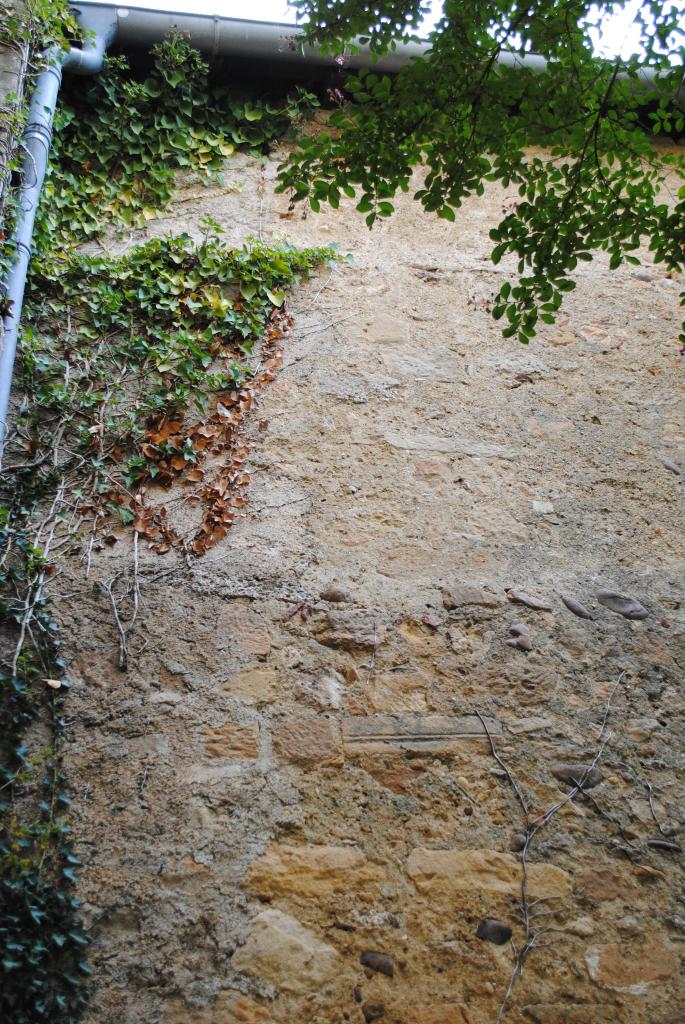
(34, 592)
(133, 589)
(530, 914)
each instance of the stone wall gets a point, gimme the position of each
(288, 809)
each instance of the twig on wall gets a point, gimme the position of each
(530, 912)
(133, 592)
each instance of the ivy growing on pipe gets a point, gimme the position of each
(28, 30)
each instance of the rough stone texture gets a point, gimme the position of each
(310, 871)
(613, 968)
(228, 1009)
(310, 742)
(436, 1013)
(546, 1013)
(435, 871)
(282, 951)
(253, 686)
(13, 63)
(232, 741)
(398, 691)
(397, 458)
(352, 628)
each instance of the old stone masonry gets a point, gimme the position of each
(404, 746)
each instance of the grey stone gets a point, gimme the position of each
(628, 924)
(435, 443)
(494, 931)
(673, 467)
(335, 593)
(575, 606)
(381, 963)
(461, 594)
(582, 926)
(574, 774)
(521, 597)
(621, 604)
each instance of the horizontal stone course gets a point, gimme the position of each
(308, 742)
(413, 733)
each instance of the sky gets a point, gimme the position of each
(619, 35)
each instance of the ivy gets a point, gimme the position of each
(120, 140)
(29, 30)
(127, 361)
(42, 962)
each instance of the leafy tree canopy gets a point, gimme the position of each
(604, 180)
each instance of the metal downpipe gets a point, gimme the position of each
(36, 141)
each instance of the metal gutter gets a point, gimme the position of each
(218, 36)
(238, 37)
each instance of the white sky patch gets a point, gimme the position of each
(619, 34)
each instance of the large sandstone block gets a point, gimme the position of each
(351, 628)
(398, 692)
(242, 629)
(308, 742)
(311, 871)
(464, 595)
(434, 871)
(603, 884)
(232, 740)
(612, 968)
(281, 950)
(254, 685)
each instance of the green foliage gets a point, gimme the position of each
(41, 965)
(40, 23)
(382, 26)
(43, 952)
(119, 141)
(32, 28)
(115, 344)
(469, 119)
(42, 946)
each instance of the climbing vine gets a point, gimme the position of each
(27, 32)
(140, 368)
(120, 140)
(41, 940)
(136, 372)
